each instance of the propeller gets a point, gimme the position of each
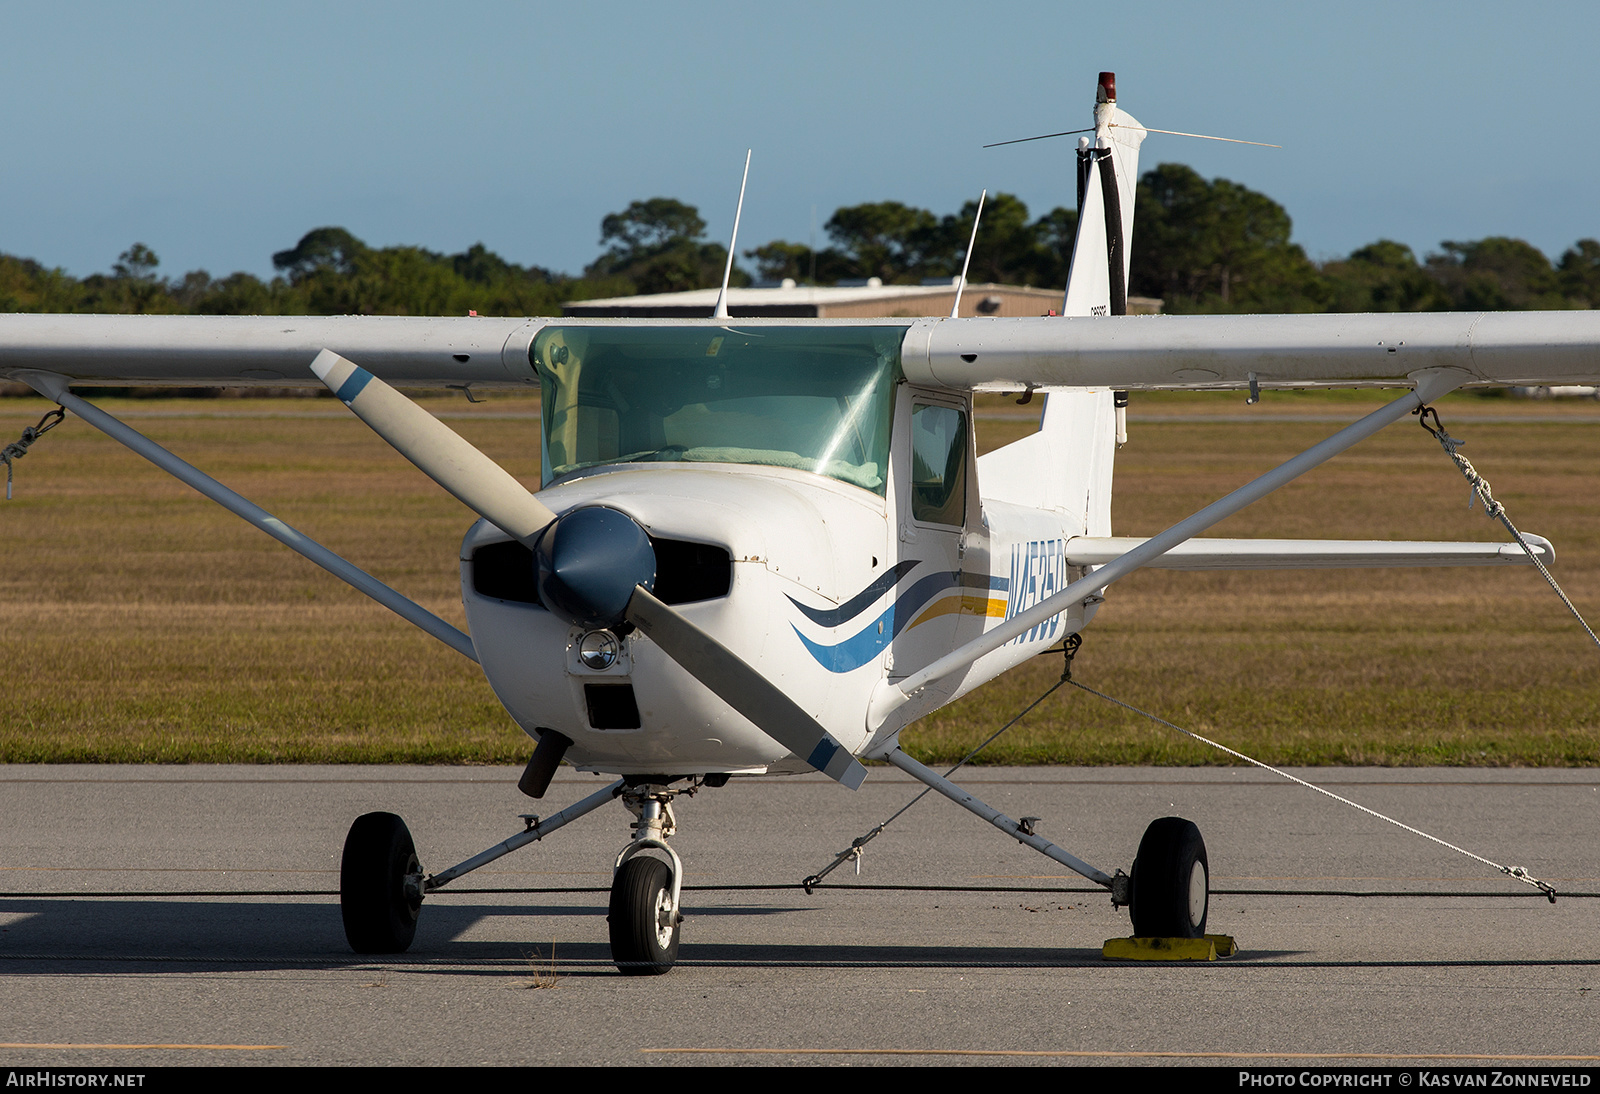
(596, 565)
(443, 454)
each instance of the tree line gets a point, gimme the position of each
(1200, 245)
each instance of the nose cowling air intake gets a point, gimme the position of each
(589, 562)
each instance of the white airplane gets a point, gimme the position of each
(767, 546)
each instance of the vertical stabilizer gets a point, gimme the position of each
(1108, 175)
(1066, 466)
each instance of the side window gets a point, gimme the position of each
(938, 465)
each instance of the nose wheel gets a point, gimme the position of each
(1171, 888)
(644, 923)
(645, 914)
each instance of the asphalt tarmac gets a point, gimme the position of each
(158, 916)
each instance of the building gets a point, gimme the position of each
(864, 300)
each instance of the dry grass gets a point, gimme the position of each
(140, 622)
(1452, 666)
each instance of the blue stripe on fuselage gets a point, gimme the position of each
(867, 643)
(832, 617)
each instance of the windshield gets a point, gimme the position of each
(811, 398)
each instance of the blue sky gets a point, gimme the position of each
(219, 133)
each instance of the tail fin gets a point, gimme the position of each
(1108, 175)
(1066, 466)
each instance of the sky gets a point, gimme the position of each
(218, 134)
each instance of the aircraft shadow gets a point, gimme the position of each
(132, 935)
(269, 934)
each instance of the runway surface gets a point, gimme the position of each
(226, 945)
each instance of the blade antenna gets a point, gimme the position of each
(1201, 136)
(1140, 128)
(1041, 137)
(955, 309)
(721, 310)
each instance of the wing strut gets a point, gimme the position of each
(52, 386)
(932, 778)
(1431, 383)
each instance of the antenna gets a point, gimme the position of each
(721, 310)
(1141, 129)
(1041, 137)
(1201, 136)
(955, 309)
(811, 244)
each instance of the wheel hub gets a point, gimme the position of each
(664, 918)
(1197, 894)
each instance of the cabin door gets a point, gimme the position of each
(932, 476)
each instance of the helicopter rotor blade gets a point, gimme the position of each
(743, 688)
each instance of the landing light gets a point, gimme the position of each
(598, 650)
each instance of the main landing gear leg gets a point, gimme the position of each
(1170, 890)
(1117, 884)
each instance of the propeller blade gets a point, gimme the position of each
(439, 451)
(743, 688)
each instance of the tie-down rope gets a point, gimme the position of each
(1491, 507)
(1510, 871)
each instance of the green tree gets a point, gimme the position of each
(1014, 251)
(135, 282)
(778, 260)
(1382, 276)
(1217, 246)
(1056, 233)
(242, 294)
(321, 250)
(891, 241)
(1580, 272)
(1496, 273)
(137, 263)
(656, 245)
(26, 285)
(647, 228)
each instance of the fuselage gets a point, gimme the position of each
(834, 539)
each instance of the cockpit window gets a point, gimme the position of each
(938, 465)
(816, 399)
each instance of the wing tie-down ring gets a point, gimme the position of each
(19, 447)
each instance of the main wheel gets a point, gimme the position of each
(644, 929)
(380, 915)
(1171, 881)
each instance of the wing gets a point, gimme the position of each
(1276, 351)
(1126, 352)
(217, 350)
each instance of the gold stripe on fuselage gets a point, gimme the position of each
(971, 604)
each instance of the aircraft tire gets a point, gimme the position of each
(643, 943)
(378, 854)
(1171, 890)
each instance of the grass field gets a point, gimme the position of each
(141, 622)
